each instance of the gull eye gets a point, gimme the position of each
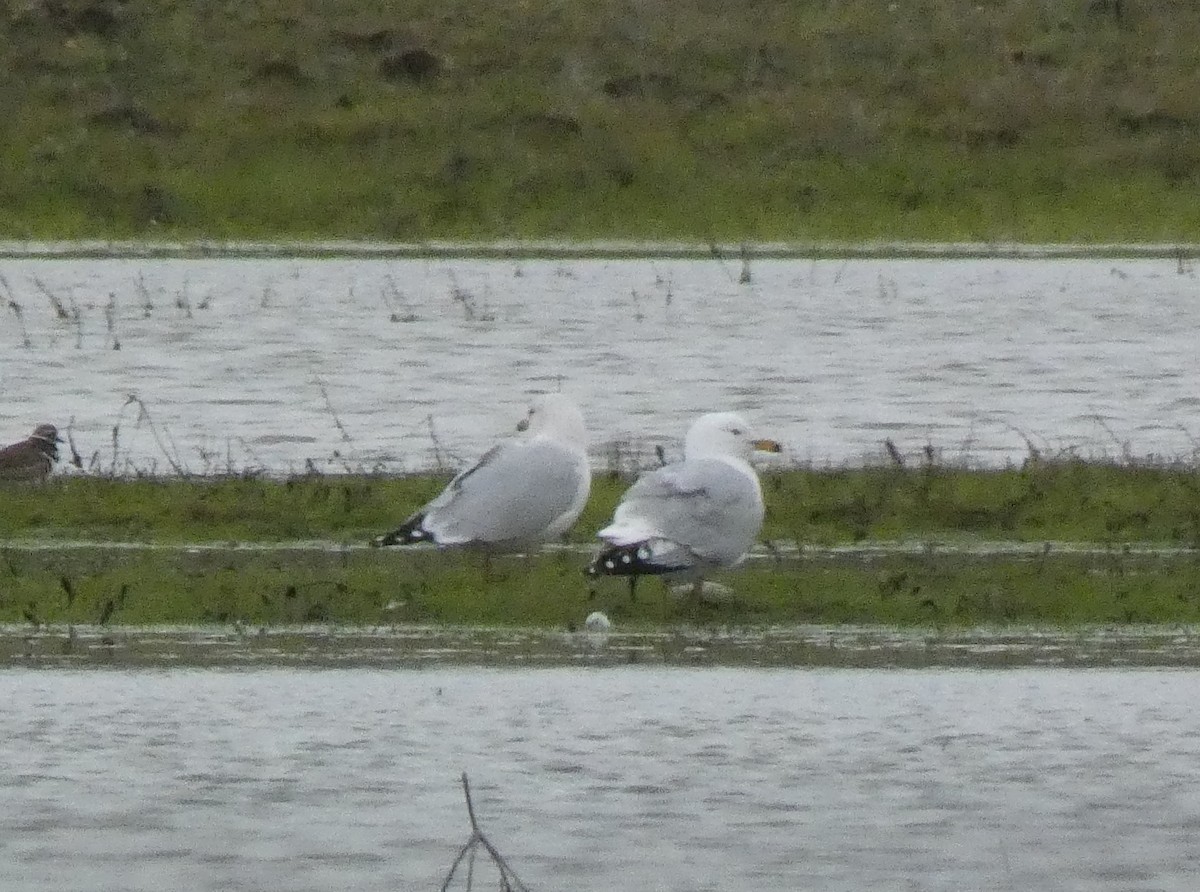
(737, 431)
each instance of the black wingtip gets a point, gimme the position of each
(409, 534)
(628, 560)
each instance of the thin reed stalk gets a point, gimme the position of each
(509, 881)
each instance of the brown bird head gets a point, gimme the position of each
(45, 437)
(47, 433)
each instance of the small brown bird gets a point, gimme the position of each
(31, 460)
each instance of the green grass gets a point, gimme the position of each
(369, 587)
(1059, 501)
(1102, 507)
(933, 119)
(1072, 501)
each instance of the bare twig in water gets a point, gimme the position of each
(60, 309)
(20, 314)
(147, 304)
(1195, 441)
(463, 297)
(76, 458)
(183, 301)
(116, 443)
(1035, 454)
(715, 250)
(509, 881)
(1123, 445)
(16, 311)
(664, 282)
(259, 466)
(745, 278)
(439, 454)
(893, 453)
(144, 415)
(333, 412)
(472, 311)
(72, 313)
(110, 319)
(397, 304)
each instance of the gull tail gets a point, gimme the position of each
(634, 559)
(411, 532)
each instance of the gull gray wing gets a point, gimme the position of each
(708, 506)
(514, 494)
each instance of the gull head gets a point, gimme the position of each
(724, 434)
(556, 415)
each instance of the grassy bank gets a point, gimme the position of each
(1059, 501)
(1061, 504)
(933, 119)
(938, 588)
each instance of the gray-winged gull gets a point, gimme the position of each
(521, 493)
(686, 519)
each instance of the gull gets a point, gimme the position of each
(31, 460)
(521, 493)
(684, 520)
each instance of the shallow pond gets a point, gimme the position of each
(407, 364)
(600, 776)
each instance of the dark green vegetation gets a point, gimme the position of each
(1094, 518)
(1058, 501)
(931, 588)
(1073, 120)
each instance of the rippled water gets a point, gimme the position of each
(601, 778)
(402, 364)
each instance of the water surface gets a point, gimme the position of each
(401, 364)
(595, 778)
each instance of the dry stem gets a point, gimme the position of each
(509, 881)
